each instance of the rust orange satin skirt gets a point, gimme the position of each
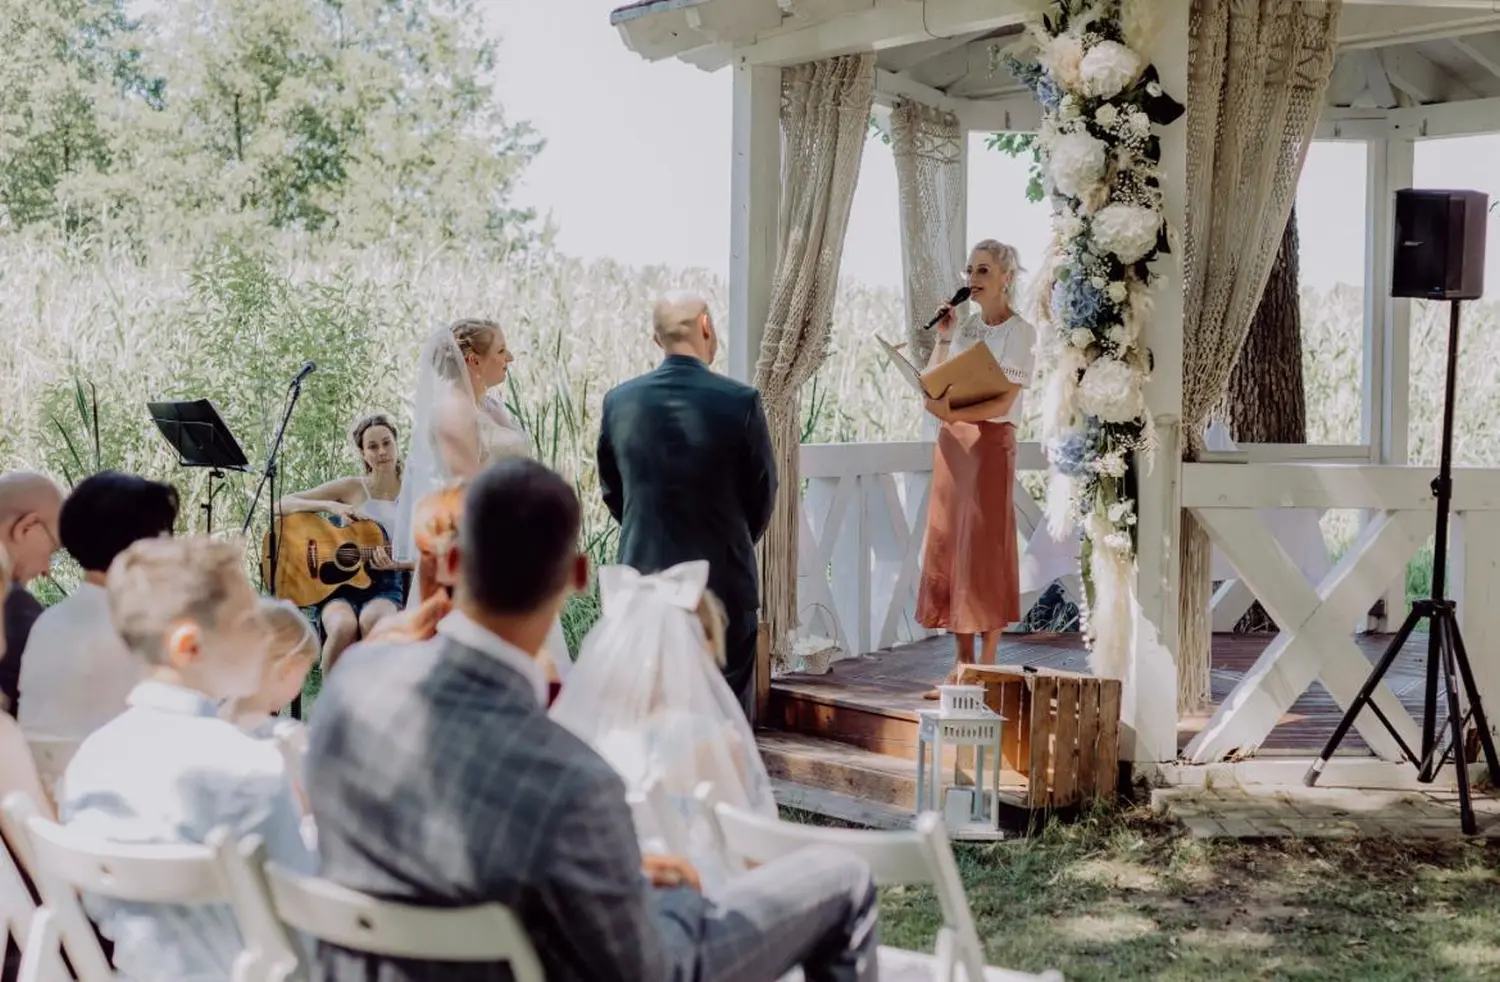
(971, 568)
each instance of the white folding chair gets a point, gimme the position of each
(18, 910)
(921, 856)
(66, 864)
(51, 756)
(657, 822)
(349, 919)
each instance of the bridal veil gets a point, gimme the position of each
(646, 694)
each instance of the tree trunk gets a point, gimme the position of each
(1266, 401)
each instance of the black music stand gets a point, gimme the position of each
(199, 435)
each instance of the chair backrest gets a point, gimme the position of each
(349, 919)
(17, 906)
(51, 756)
(920, 856)
(656, 817)
(65, 864)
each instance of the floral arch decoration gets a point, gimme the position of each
(1100, 161)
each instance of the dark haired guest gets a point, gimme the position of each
(76, 672)
(482, 798)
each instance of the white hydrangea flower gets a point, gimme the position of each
(1118, 292)
(1077, 165)
(1111, 391)
(1098, 282)
(1129, 232)
(1108, 67)
(1139, 123)
(1107, 115)
(1081, 337)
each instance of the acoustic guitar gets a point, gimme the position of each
(314, 557)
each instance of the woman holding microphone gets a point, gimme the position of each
(970, 583)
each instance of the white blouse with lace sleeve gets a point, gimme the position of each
(1011, 343)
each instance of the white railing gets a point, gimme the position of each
(860, 549)
(863, 516)
(1316, 643)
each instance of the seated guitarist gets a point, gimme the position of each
(351, 613)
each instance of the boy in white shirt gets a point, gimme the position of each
(169, 769)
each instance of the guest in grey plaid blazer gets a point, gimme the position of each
(436, 778)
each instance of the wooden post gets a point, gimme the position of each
(755, 197)
(1149, 709)
(1387, 336)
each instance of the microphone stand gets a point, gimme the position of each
(268, 477)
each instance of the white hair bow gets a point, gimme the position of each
(681, 586)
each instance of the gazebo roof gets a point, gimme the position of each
(946, 52)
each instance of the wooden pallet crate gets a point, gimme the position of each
(1061, 733)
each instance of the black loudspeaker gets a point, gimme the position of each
(1439, 244)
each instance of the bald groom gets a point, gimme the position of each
(685, 466)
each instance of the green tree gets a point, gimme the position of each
(368, 119)
(68, 66)
(372, 117)
(1017, 144)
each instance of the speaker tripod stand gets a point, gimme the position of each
(1446, 654)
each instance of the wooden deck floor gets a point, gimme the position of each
(896, 678)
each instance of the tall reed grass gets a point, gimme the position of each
(89, 339)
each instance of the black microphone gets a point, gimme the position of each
(307, 369)
(960, 297)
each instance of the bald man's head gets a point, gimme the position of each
(682, 325)
(29, 506)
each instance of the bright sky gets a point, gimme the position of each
(638, 158)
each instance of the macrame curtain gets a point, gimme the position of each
(1258, 74)
(928, 146)
(825, 115)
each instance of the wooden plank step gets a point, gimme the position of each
(830, 715)
(841, 768)
(831, 804)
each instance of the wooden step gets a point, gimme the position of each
(841, 807)
(826, 713)
(841, 768)
(854, 785)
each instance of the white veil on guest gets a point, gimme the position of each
(646, 694)
(442, 386)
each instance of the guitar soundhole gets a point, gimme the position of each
(346, 556)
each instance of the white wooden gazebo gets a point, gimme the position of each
(1404, 72)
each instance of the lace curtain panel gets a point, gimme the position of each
(1258, 75)
(825, 113)
(927, 144)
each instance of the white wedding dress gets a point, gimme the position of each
(501, 438)
(442, 378)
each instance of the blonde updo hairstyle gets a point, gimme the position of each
(1008, 260)
(472, 336)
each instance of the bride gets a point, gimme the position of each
(459, 428)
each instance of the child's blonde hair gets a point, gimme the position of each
(713, 617)
(291, 634)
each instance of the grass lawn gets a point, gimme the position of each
(1125, 896)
